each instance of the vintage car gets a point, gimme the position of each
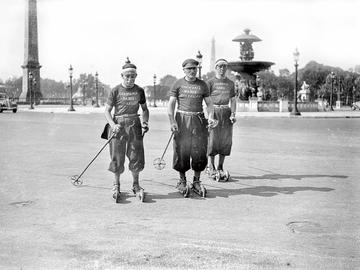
(7, 103)
(355, 106)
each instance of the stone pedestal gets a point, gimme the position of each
(253, 104)
(338, 104)
(283, 105)
(321, 105)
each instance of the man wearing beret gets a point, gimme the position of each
(126, 99)
(190, 126)
(222, 93)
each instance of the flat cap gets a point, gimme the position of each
(190, 63)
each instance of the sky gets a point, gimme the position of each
(159, 35)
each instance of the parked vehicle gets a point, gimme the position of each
(356, 106)
(6, 103)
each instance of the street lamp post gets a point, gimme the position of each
(30, 82)
(338, 101)
(97, 89)
(154, 90)
(295, 111)
(199, 59)
(333, 77)
(71, 108)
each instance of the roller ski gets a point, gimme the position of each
(212, 173)
(116, 194)
(222, 176)
(198, 188)
(183, 188)
(139, 193)
(218, 175)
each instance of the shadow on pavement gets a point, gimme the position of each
(263, 191)
(152, 197)
(275, 176)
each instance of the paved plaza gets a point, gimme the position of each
(292, 202)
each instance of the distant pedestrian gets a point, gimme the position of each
(126, 99)
(190, 126)
(222, 93)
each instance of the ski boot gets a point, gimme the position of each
(198, 188)
(116, 193)
(222, 176)
(183, 188)
(139, 192)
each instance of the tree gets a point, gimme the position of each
(286, 85)
(53, 89)
(356, 89)
(284, 72)
(315, 75)
(168, 80)
(162, 92)
(269, 84)
(347, 86)
(357, 69)
(15, 86)
(325, 89)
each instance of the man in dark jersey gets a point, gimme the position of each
(190, 125)
(222, 93)
(126, 99)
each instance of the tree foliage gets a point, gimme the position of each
(317, 76)
(168, 80)
(162, 89)
(15, 86)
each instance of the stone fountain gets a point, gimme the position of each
(246, 69)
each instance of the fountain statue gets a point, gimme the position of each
(246, 68)
(304, 93)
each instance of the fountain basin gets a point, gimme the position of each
(249, 67)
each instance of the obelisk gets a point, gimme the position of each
(31, 59)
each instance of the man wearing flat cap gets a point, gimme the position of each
(126, 99)
(222, 94)
(190, 125)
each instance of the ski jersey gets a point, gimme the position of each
(189, 94)
(221, 90)
(126, 100)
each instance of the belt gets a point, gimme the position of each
(221, 106)
(189, 113)
(127, 115)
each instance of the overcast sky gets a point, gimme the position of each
(158, 35)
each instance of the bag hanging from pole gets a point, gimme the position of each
(105, 133)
